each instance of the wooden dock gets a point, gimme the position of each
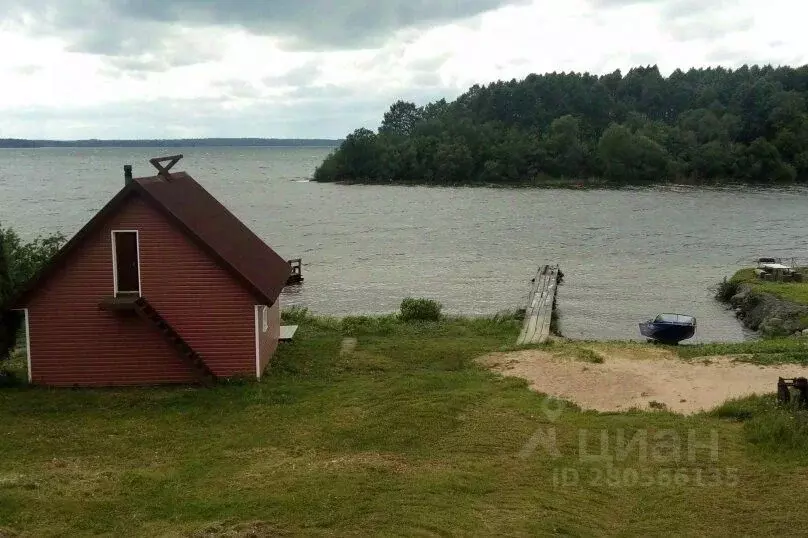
(539, 311)
(297, 272)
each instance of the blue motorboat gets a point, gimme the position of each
(669, 328)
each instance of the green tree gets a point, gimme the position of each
(787, 110)
(401, 119)
(19, 263)
(633, 158)
(712, 160)
(8, 320)
(567, 156)
(434, 110)
(357, 159)
(455, 164)
(706, 125)
(801, 164)
(761, 163)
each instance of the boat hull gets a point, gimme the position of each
(667, 333)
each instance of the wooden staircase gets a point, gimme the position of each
(191, 357)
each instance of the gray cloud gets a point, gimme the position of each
(136, 39)
(323, 92)
(237, 89)
(738, 56)
(689, 20)
(690, 29)
(132, 27)
(345, 24)
(642, 58)
(94, 26)
(429, 64)
(621, 3)
(672, 9)
(116, 40)
(675, 9)
(301, 75)
(426, 79)
(725, 55)
(163, 60)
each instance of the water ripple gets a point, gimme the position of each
(626, 254)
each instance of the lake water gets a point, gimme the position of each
(626, 254)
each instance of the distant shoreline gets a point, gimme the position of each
(551, 183)
(19, 143)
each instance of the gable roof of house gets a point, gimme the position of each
(204, 220)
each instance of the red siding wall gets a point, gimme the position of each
(75, 342)
(269, 330)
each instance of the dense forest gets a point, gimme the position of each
(167, 143)
(701, 126)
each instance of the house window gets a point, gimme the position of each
(126, 262)
(265, 315)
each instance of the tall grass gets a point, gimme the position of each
(775, 431)
(763, 351)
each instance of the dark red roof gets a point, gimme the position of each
(204, 220)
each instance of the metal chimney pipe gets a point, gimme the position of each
(127, 174)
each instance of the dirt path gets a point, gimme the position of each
(636, 377)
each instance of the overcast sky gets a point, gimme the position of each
(321, 68)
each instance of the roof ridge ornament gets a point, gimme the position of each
(163, 170)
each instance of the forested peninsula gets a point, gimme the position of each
(703, 126)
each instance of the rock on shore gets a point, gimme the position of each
(768, 314)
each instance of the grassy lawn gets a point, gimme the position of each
(404, 435)
(790, 291)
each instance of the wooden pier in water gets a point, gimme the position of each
(297, 272)
(540, 304)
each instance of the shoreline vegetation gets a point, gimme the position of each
(551, 183)
(772, 308)
(701, 127)
(538, 183)
(19, 143)
(401, 431)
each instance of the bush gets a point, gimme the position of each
(9, 322)
(743, 409)
(294, 314)
(365, 325)
(727, 289)
(780, 431)
(19, 263)
(420, 310)
(14, 370)
(26, 259)
(9, 378)
(588, 355)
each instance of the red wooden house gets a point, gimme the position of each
(163, 285)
